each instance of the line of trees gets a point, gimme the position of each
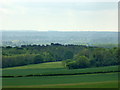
(95, 58)
(73, 56)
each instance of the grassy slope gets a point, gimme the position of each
(51, 68)
(63, 81)
(83, 81)
(39, 66)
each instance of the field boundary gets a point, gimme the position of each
(57, 74)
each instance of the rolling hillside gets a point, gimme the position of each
(96, 80)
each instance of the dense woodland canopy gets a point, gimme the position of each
(72, 56)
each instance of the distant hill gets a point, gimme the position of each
(17, 38)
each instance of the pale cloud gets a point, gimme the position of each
(98, 20)
(4, 4)
(11, 7)
(106, 20)
(65, 1)
(3, 10)
(16, 16)
(14, 1)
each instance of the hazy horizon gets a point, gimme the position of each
(54, 31)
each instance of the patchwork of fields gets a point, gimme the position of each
(95, 80)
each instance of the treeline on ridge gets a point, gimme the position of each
(72, 56)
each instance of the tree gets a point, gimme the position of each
(68, 55)
(48, 57)
(82, 62)
(72, 65)
(66, 63)
(38, 59)
(78, 62)
(98, 57)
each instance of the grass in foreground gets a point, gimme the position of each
(82, 81)
(103, 80)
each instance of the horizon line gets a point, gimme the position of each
(64, 30)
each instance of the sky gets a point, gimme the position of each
(59, 15)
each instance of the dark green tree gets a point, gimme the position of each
(38, 59)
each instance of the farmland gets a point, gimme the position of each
(59, 44)
(103, 80)
(51, 68)
(60, 66)
(58, 81)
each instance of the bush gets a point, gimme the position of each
(79, 62)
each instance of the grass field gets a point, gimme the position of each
(51, 68)
(64, 81)
(101, 80)
(39, 66)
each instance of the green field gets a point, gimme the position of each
(39, 66)
(106, 80)
(52, 68)
(101, 80)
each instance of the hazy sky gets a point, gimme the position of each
(62, 15)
